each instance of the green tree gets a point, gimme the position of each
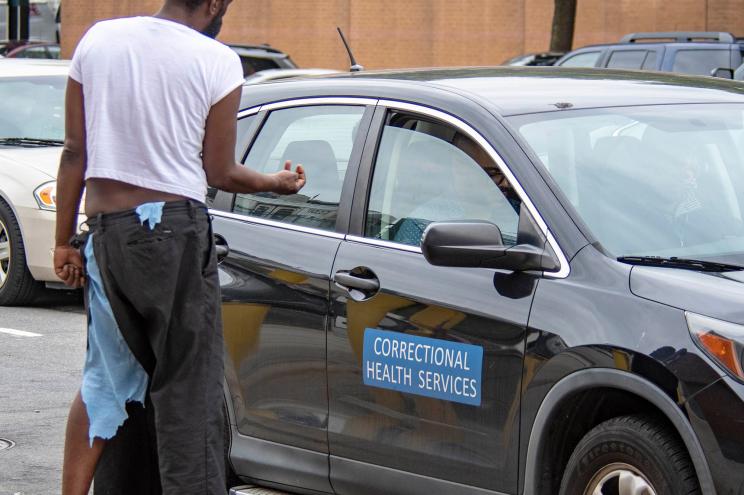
(564, 19)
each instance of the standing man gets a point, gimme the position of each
(150, 122)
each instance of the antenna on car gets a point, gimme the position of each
(355, 67)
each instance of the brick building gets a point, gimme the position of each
(416, 33)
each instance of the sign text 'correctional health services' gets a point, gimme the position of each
(419, 365)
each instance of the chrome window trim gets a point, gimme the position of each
(273, 223)
(565, 268)
(386, 244)
(248, 112)
(306, 102)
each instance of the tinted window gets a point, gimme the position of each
(650, 62)
(245, 125)
(701, 62)
(32, 52)
(321, 139)
(627, 59)
(426, 172)
(586, 59)
(251, 65)
(54, 52)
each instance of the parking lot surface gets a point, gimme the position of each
(41, 358)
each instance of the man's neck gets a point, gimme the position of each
(176, 14)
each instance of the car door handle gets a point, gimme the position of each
(221, 248)
(349, 281)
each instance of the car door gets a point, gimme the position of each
(277, 254)
(425, 362)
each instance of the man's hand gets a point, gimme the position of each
(68, 265)
(289, 182)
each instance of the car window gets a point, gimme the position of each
(32, 107)
(650, 62)
(244, 136)
(320, 138)
(627, 59)
(251, 65)
(701, 62)
(586, 59)
(427, 171)
(54, 52)
(32, 52)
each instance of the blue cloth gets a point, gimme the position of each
(112, 376)
(152, 213)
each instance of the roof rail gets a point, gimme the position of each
(681, 36)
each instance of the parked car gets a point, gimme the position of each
(32, 97)
(507, 280)
(42, 19)
(534, 59)
(29, 49)
(256, 58)
(273, 75)
(699, 53)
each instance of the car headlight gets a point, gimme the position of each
(46, 196)
(721, 340)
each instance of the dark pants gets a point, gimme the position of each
(163, 288)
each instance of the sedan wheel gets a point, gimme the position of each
(17, 286)
(4, 253)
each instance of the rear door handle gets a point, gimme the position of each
(349, 281)
(221, 248)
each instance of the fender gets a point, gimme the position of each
(611, 378)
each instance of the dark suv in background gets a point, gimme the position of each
(255, 58)
(698, 53)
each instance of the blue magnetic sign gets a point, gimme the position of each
(419, 365)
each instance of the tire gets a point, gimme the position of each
(639, 450)
(17, 286)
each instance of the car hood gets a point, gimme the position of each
(44, 160)
(717, 295)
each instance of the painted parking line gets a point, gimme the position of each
(19, 333)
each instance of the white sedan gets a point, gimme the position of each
(32, 94)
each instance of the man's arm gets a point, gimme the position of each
(218, 156)
(68, 263)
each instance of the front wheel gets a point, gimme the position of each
(17, 286)
(630, 455)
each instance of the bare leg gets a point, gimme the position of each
(80, 458)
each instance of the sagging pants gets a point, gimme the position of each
(157, 269)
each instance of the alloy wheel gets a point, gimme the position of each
(4, 253)
(619, 479)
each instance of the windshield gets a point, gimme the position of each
(32, 107)
(652, 181)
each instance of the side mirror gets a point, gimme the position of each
(722, 73)
(479, 244)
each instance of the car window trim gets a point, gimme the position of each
(277, 224)
(462, 126)
(265, 109)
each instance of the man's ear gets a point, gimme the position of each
(214, 7)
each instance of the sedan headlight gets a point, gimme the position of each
(721, 340)
(46, 196)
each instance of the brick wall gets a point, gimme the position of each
(417, 33)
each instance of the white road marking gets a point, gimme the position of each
(19, 333)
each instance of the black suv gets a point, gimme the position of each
(496, 281)
(680, 52)
(256, 58)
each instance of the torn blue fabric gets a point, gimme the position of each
(112, 376)
(152, 213)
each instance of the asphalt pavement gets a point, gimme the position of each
(39, 376)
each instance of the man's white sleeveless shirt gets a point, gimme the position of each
(148, 85)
